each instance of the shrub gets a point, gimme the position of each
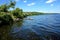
(6, 17)
(17, 13)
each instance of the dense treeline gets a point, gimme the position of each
(32, 13)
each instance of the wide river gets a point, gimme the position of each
(39, 27)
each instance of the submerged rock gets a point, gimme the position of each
(29, 19)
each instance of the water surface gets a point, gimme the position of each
(39, 27)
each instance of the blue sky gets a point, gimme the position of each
(51, 6)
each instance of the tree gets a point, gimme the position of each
(5, 7)
(18, 13)
(12, 4)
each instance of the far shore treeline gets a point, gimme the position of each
(7, 15)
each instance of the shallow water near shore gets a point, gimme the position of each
(39, 27)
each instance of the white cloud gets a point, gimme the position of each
(50, 1)
(25, 1)
(31, 4)
(16, 0)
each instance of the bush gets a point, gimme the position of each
(5, 17)
(18, 13)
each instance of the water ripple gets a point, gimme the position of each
(44, 27)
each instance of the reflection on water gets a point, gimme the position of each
(41, 27)
(5, 30)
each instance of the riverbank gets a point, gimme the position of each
(7, 15)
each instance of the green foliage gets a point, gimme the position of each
(32, 13)
(18, 13)
(5, 17)
(12, 4)
(3, 8)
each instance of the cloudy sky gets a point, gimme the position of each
(51, 6)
